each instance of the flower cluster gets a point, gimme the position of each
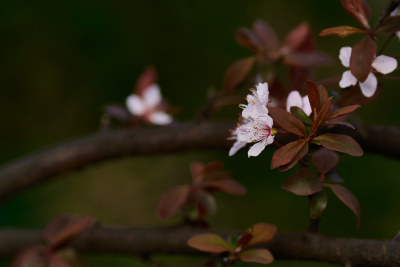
(255, 126)
(382, 64)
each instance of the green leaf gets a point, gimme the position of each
(301, 115)
(172, 200)
(318, 204)
(287, 153)
(341, 31)
(287, 121)
(390, 25)
(340, 142)
(362, 56)
(303, 182)
(259, 255)
(347, 198)
(209, 243)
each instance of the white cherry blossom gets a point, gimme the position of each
(382, 64)
(149, 106)
(294, 99)
(255, 125)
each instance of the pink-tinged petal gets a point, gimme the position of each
(135, 105)
(306, 105)
(257, 148)
(263, 93)
(236, 147)
(270, 139)
(266, 119)
(152, 96)
(294, 100)
(160, 118)
(368, 87)
(347, 80)
(344, 56)
(384, 64)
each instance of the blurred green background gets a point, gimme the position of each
(62, 61)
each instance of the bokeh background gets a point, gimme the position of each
(62, 61)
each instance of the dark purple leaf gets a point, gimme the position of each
(266, 35)
(172, 200)
(287, 153)
(237, 73)
(303, 182)
(287, 121)
(318, 204)
(306, 59)
(390, 25)
(359, 10)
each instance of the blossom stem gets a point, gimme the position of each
(386, 43)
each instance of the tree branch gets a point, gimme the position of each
(284, 246)
(40, 166)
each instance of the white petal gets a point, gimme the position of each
(398, 34)
(236, 147)
(266, 119)
(160, 118)
(384, 64)
(254, 111)
(344, 56)
(152, 96)
(262, 93)
(135, 105)
(257, 148)
(306, 105)
(347, 79)
(294, 100)
(368, 87)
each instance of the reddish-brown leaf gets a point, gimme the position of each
(226, 185)
(246, 38)
(243, 241)
(358, 9)
(197, 171)
(340, 142)
(306, 58)
(66, 227)
(297, 36)
(323, 94)
(212, 167)
(172, 200)
(313, 96)
(343, 111)
(343, 123)
(341, 31)
(209, 243)
(325, 160)
(266, 35)
(259, 255)
(298, 157)
(261, 232)
(236, 74)
(303, 182)
(321, 116)
(390, 25)
(347, 198)
(287, 153)
(362, 56)
(287, 121)
(206, 202)
(147, 78)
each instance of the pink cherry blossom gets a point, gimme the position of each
(149, 106)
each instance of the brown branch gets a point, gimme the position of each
(285, 246)
(40, 166)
